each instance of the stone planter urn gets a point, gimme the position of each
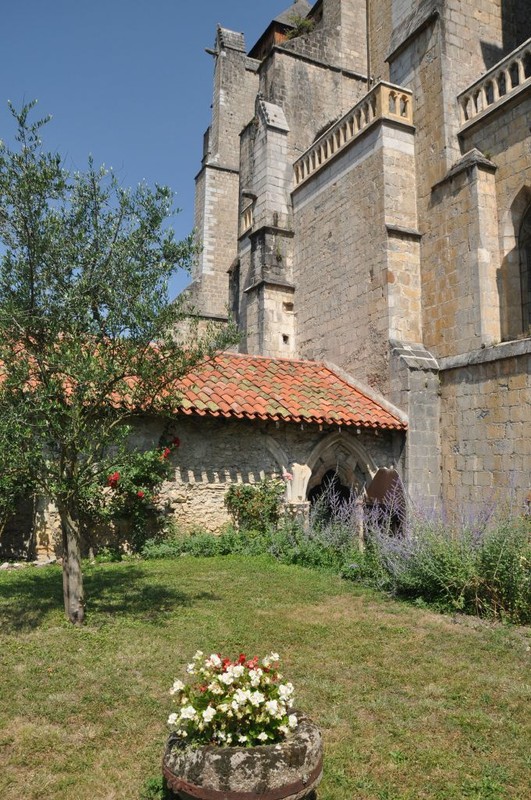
(288, 770)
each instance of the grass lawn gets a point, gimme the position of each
(411, 704)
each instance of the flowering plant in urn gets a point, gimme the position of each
(240, 703)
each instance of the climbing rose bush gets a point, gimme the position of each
(239, 703)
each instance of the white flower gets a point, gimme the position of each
(285, 691)
(263, 737)
(190, 669)
(198, 655)
(241, 697)
(272, 707)
(254, 676)
(178, 686)
(208, 713)
(214, 661)
(293, 721)
(188, 712)
(172, 719)
(238, 670)
(242, 739)
(256, 698)
(227, 678)
(274, 656)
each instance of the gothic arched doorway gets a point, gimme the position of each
(340, 465)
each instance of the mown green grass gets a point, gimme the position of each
(411, 704)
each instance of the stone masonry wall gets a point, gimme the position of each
(215, 453)
(459, 246)
(312, 95)
(460, 298)
(505, 137)
(339, 37)
(485, 424)
(216, 205)
(340, 217)
(217, 227)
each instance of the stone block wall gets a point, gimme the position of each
(311, 94)
(460, 296)
(215, 453)
(339, 223)
(340, 217)
(485, 425)
(217, 184)
(339, 37)
(415, 389)
(504, 136)
(216, 223)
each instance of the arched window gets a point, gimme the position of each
(524, 244)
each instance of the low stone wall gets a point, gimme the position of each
(215, 453)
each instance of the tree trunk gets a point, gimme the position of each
(72, 575)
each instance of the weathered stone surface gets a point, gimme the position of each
(289, 770)
(409, 234)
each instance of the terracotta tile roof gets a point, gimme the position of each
(254, 387)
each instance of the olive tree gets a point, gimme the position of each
(87, 331)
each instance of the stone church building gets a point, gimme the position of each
(364, 208)
(364, 212)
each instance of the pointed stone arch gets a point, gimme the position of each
(355, 467)
(513, 276)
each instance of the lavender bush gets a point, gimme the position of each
(474, 562)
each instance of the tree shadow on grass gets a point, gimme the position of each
(28, 596)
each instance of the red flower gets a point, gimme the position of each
(226, 663)
(140, 494)
(242, 659)
(165, 453)
(113, 479)
(176, 442)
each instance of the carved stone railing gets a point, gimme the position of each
(504, 80)
(384, 101)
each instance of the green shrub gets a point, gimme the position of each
(484, 571)
(480, 568)
(301, 25)
(503, 588)
(255, 506)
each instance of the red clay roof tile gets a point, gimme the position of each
(234, 385)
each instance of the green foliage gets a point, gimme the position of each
(130, 495)
(301, 25)
(155, 789)
(485, 572)
(86, 325)
(255, 506)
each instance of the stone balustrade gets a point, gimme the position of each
(502, 81)
(384, 101)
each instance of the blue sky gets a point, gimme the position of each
(127, 81)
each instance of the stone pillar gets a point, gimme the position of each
(267, 292)
(216, 203)
(345, 25)
(415, 389)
